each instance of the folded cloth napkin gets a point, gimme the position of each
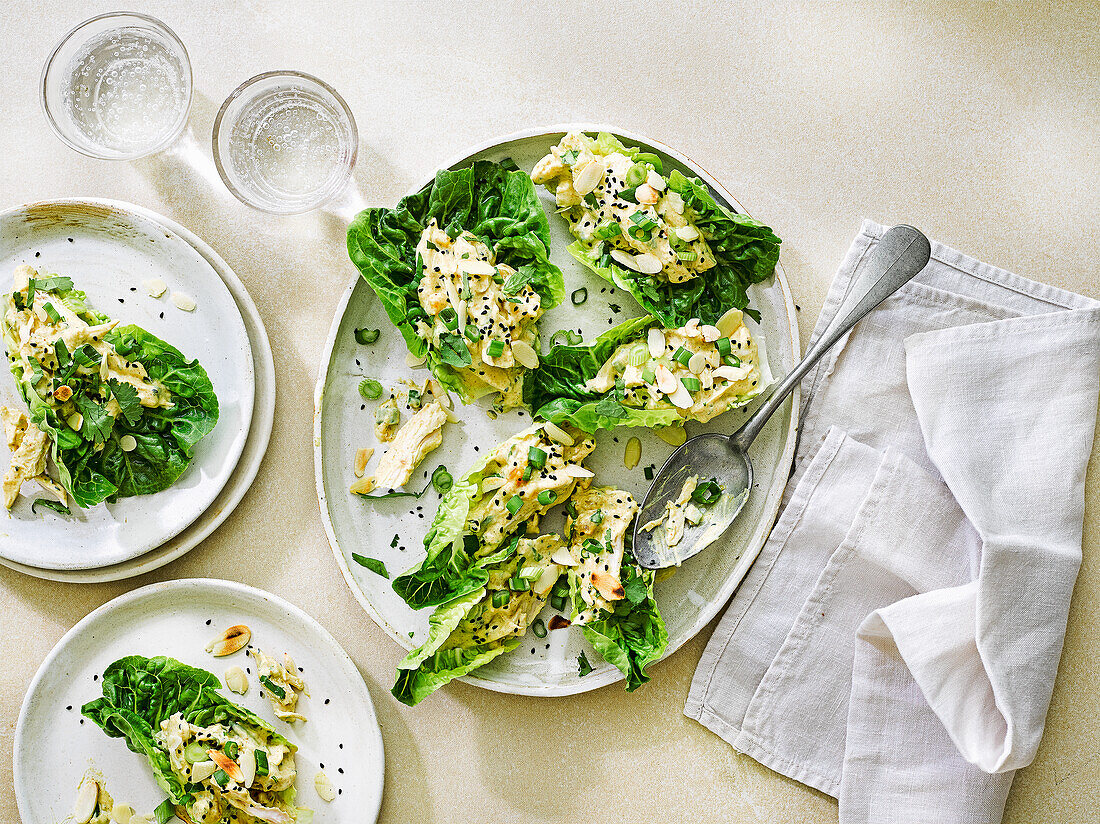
(895, 643)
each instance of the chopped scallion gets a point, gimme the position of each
(731, 360)
(571, 338)
(370, 389)
(596, 517)
(579, 296)
(501, 597)
(536, 457)
(221, 777)
(608, 231)
(514, 504)
(547, 496)
(495, 348)
(558, 602)
(527, 472)
(707, 493)
(442, 480)
(690, 384)
(365, 336)
(231, 749)
(54, 315)
(539, 628)
(682, 356)
(724, 346)
(648, 375)
(449, 317)
(471, 333)
(686, 255)
(648, 472)
(261, 762)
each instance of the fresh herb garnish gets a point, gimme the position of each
(501, 597)
(536, 457)
(522, 276)
(539, 628)
(608, 231)
(128, 400)
(547, 497)
(495, 348)
(97, 423)
(636, 590)
(165, 812)
(55, 506)
(514, 504)
(51, 312)
(370, 389)
(261, 762)
(453, 352)
(373, 564)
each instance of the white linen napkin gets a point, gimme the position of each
(896, 642)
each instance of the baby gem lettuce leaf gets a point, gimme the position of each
(496, 204)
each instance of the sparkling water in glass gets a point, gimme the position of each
(285, 142)
(118, 86)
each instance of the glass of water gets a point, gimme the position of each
(285, 142)
(118, 86)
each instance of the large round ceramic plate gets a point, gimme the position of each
(259, 432)
(392, 529)
(178, 619)
(108, 251)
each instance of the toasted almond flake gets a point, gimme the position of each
(236, 680)
(362, 458)
(63, 392)
(710, 333)
(233, 639)
(655, 180)
(588, 177)
(183, 302)
(608, 586)
(128, 443)
(247, 760)
(577, 471)
(557, 622)
(729, 322)
(323, 786)
(681, 397)
(224, 762)
(203, 770)
(563, 557)
(476, 266)
(646, 194)
(440, 394)
(493, 483)
(87, 798)
(648, 264)
(525, 354)
(697, 363)
(122, 814)
(656, 340)
(75, 421)
(733, 373)
(687, 233)
(557, 434)
(666, 381)
(154, 287)
(633, 453)
(691, 328)
(546, 581)
(672, 435)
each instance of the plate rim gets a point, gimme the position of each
(262, 421)
(774, 496)
(157, 589)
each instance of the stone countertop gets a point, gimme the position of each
(976, 123)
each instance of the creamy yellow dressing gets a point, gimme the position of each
(603, 515)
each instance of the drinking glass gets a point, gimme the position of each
(285, 143)
(118, 86)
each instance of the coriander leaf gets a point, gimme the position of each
(635, 589)
(128, 400)
(97, 423)
(373, 564)
(522, 277)
(452, 351)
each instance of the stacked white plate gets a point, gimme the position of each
(109, 249)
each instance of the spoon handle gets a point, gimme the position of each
(899, 255)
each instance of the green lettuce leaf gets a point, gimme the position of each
(633, 635)
(496, 204)
(427, 668)
(555, 391)
(139, 693)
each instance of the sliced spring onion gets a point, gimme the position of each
(501, 597)
(690, 384)
(635, 175)
(527, 471)
(514, 504)
(571, 338)
(686, 255)
(608, 231)
(164, 812)
(638, 355)
(724, 346)
(539, 628)
(261, 762)
(471, 333)
(231, 749)
(449, 317)
(579, 296)
(648, 375)
(547, 496)
(275, 689)
(682, 356)
(642, 219)
(648, 472)
(195, 753)
(651, 159)
(731, 360)
(596, 517)
(707, 493)
(365, 336)
(536, 457)
(53, 314)
(370, 389)
(221, 777)
(495, 348)
(558, 602)
(442, 480)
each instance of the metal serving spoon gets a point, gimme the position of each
(900, 254)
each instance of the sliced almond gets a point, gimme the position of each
(648, 264)
(588, 177)
(666, 381)
(633, 453)
(563, 557)
(687, 233)
(128, 443)
(728, 323)
(233, 639)
(546, 581)
(646, 194)
(236, 680)
(655, 180)
(710, 333)
(202, 771)
(87, 799)
(323, 786)
(557, 622)
(475, 266)
(733, 373)
(655, 338)
(577, 471)
(247, 760)
(681, 398)
(492, 483)
(625, 258)
(697, 363)
(557, 434)
(672, 435)
(608, 586)
(183, 302)
(122, 814)
(154, 287)
(525, 354)
(75, 421)
(224, 762)
(362, 458)
(691, 328)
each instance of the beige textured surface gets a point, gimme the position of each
(976, 123)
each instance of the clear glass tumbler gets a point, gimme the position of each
(118, 86)
(285, 142)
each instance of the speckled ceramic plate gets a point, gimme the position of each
(178, 619)
(108, 250)
(392, 530)
(259, 432)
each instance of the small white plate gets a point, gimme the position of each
(259, 433)
(108, 250)
(178, 619)
(392, 530)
